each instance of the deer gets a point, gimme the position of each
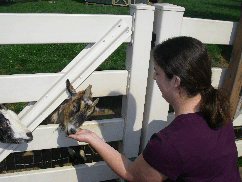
(12, 131)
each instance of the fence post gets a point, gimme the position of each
(138, 55)
(167, 24)
(167, 21)
(233, 79)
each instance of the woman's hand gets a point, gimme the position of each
(83, 135)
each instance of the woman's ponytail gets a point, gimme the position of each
(215, 107)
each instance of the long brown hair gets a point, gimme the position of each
(188, 59)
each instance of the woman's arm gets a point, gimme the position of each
(139, 170)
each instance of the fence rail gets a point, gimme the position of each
(50, 136)
(44, 28)
(223, 32)
(31, 87)
(89, 172)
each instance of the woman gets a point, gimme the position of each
(199, 144)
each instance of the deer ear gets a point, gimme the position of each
(88, 92)
(92, 107)
(95, 102)
(70, 88)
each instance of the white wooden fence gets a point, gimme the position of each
(144, 110)
(104, 33)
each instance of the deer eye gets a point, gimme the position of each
(76, 107)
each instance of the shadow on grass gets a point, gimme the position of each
(10, 2)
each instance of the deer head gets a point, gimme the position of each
(11, 129)
(76, 109)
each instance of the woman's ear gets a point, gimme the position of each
(176, 81)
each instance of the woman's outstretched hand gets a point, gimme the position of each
(83, 135)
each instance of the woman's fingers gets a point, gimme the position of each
(81, 135)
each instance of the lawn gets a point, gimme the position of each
(60, 6)
(228, 10)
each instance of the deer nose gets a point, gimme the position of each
(72, 131)
(29, 134)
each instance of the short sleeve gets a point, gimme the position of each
(162, 156)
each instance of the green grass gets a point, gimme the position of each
(240, 162)
(17, 59)
(228, 10)
(60, 6)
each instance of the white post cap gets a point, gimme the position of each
(168, 7)
(142, 7)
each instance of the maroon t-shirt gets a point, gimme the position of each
(188, 149)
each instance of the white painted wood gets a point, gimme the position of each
(209, 31)
(26, 109)
(138, 56)
(51, 136)
(168, 21)
(239, 147)
(170, 17)
(92, 172)
(167, 24)
(238, 120)
(218, 75)
(170, 118)
(113, 38)
(31, 87)
(25, 28)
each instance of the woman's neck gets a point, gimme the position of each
(185, 105)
